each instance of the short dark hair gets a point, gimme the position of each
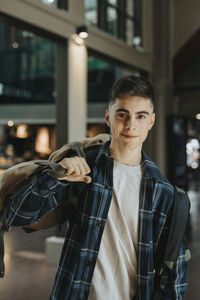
(131, 85)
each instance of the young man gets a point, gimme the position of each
(119, 226)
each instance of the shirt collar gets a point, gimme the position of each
(150, 169)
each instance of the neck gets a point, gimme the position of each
(131, 157)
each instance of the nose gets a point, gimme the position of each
(130, 124)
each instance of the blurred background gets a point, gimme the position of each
(58, 60)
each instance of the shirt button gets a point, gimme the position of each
(99, 224)
(107, 187)
(88, 263)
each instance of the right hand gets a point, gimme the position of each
(76, 169)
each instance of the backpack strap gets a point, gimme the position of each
(2, 267)
(178, 226)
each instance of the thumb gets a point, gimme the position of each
(87, 179)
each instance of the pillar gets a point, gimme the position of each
(162, 79)
(77, 91)
(71, 104)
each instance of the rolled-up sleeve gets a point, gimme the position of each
(33, 200)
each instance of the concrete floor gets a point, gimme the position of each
(26, 274)
(28, 277)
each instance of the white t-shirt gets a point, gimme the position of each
(115, 274)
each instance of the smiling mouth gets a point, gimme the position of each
(129, 136)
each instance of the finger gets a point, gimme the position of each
(67, 164)
(83, 166)
(70, 169)
(75, 167)
(86, 179)
(87, 168)
(80, 165)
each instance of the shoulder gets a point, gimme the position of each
(96, 153)
(79, 147)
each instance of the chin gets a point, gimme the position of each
(130, 144)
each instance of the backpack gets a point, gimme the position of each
(178, 229)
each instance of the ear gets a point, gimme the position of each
(152, 121)
(107, 118)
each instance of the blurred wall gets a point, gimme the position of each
(186, 21)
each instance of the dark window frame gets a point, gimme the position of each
(63, 4)
(110, 59)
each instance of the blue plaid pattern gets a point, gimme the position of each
(87, 220)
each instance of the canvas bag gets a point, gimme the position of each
(18, 175)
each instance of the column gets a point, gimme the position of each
(71, 106)
(162, 79)
(61, 96)
(77, 91)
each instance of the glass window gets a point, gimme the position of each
(50, 2)
(129, 31)
(27, 76)
(133, 23)
(112, 21)
(112, 2)
(102, 73)
(91, 11)
(30, 77)
(121, 18)
(137, 23)
(130, 7)
(61, 4)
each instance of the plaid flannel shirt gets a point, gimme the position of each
(87, 211)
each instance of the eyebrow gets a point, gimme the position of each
(142, 112)
(137, 113)
(122, 109)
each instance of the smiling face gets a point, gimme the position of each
(130, 118)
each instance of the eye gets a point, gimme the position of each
(122, 116)
(141, 116)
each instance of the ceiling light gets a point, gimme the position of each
(82, 31)
(136, 41)
(10, 123)
(15, 45)
(198, 116)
